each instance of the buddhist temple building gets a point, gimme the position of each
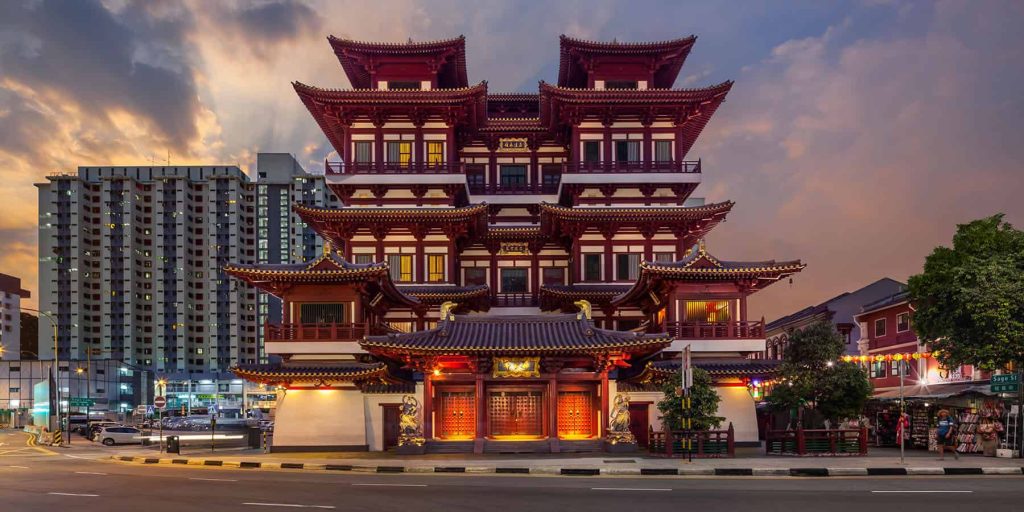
(512, 261)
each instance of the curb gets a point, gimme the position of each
(575, 471)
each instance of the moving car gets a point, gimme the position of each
(119, 434)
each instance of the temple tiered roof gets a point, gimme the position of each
(447, 56)
(564, 297)
(689, 223)
(321, 373)
(658, 372)
(665, 58)
(339, 224)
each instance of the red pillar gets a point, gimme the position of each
(648, 147)
(378, 146)
(609, 158)
(576, 274)
(481, 419)
(604, 403)
(452, 261)
(535, 275)
(428, 405)
(495, 285)
(419, 158)
(420, 265)
(553, 414)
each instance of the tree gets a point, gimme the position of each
(811, 375)
(969, 299)
(703, 403)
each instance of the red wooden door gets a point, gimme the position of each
(638, 424)
(389, 436)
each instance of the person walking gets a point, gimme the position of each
(946, 434)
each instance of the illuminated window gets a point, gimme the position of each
(707, 311)
(435, 267)
(401, 267)
(400, 153)
(435, 153)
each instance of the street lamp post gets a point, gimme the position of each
(56, 362)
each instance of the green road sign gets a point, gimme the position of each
(1008, 383)
(77, 401)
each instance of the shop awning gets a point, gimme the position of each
(934, 391)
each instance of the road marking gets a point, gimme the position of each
(19, 467)
(76, 457)
(292, 505)
(73, 494)
(214, 479)
(922, 492)
(391, 485)
(627, 489)
(89, 473)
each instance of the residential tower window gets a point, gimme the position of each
(627, 267)
(879, 327)
(591, 267)
(511, 175)
(903, 322)
(400, 152)
(513, 280)
(401, 267)
(435, 267)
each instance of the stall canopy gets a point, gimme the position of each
(936, 391)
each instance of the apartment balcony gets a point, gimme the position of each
(500, 189)
(640, 167)
(339, 168)
(307, 339)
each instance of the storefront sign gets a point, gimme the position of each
(514, 249)
(512, 145)
(516, 367)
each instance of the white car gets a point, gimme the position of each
(119, 434)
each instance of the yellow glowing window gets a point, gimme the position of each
(400, 152)
(435, 267)
(707, 311)
(435, 153)
(401, 267)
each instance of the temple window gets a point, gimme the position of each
(903, 322)
(626, 325)
(627, 267)
(513, 175)
(627, 151)
(435, 267)
(513, 280)
(707, 311)
(363, 152)
(591, 151)
(322, 313)
(663, 256)
(476, 276)
(401, 267)
(879, 327)
(402, 326)
(553, 276)
(591, 267)
(404, 85)
(435, 153)
(662, 150)
(400, 152)
(475, 175)
(620, 84)
(551, 175)
(362, 259)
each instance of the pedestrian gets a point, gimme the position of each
(945, 435)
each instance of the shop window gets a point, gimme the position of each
(903, 322)
(627, 267)
(512, 175)
(400, 152)
(553, 276)
(592, 151)
(707, 311)
(591, 267)
(401, 267)
(513, 280)
(476, 276)
(879, 327)
(435, 267)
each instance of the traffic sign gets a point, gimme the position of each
(77, 401)
(1007, 383)
(160, 402)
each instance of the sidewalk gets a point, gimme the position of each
(749, 462)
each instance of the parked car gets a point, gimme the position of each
(112, 435)
(96, 426)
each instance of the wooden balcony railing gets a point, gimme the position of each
(736, 329)
(336, 168)
(514, 300)
(314, 332)
(514, 188)
(817, 442)
(668, 166)
(704, 444)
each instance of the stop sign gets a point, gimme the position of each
(160, 402)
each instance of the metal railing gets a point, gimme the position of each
(705, 444)
(512, 188)
(315, 332)
(736, 329)
(817, 442)
(666, 166)
(335, 168)
(598, 167)
(514, 300)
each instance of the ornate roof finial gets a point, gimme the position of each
(327, 248)
(585, 309)
(447, 309)
(701, 245)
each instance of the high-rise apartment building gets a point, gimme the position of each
(11, 294)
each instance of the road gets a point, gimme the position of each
(34, 480)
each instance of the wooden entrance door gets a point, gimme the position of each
(389, 434)
(575, 414)
(638, 422)
(516, 413)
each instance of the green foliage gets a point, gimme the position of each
(970, 298)
(836, 390)
(703, 402)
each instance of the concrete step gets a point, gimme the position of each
(435, 446)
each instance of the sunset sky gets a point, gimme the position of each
(857, 134)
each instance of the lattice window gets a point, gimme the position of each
(458, 415)
(575, 414)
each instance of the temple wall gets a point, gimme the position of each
(738, 407)
(374, 414)
(315, 419)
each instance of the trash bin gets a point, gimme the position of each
(172, 445)
(254, 437)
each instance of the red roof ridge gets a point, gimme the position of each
(371, 45)
(720, 88)
(301, 87)
(690, 39)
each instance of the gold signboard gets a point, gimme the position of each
(514, 249)
(510, 145)
(516, 367)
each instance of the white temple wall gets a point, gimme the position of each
(308, 419)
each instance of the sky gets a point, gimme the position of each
(857, 135)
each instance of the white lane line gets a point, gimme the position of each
(76, 457)
(628, 489)
(922, 492)
(89, 473)
(214, 479)
(291, 505)
(391, 485)
(72, 494)
(19, 467)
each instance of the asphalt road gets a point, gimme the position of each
(35, 480)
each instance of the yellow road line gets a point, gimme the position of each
(44, 450)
